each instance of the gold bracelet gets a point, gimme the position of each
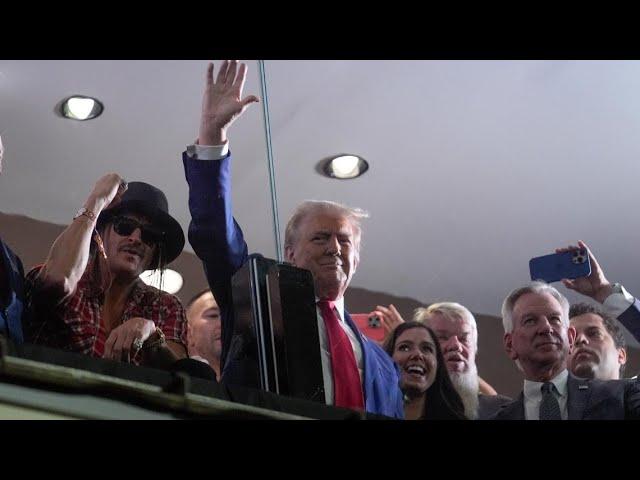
(86, 212)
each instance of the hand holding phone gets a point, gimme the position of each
(389, 317)
(370, 325)
(563, 265)
(595, 285)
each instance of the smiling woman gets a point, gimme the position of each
(429, 393)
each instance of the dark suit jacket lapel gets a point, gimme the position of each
(579, 392)
(354, 328)
(513, 410)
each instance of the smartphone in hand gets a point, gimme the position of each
(370, 325)
(555, 267)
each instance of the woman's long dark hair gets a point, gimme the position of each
(443, 401)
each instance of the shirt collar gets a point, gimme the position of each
(533, 389)
(339, 304)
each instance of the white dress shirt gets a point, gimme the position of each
(208, 152)
(200, 359)
(533, 396)
(616, 303)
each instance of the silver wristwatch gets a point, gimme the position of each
(616, 288)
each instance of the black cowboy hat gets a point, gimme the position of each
(151, 202)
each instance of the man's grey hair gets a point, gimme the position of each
(449, 310)
(311, 207)
(536, 287)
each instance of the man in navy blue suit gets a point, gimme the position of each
(538, 337)
(11, 288)
(323, 237)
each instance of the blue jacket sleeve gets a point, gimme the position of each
(213, 232)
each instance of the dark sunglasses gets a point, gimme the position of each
(125, 226)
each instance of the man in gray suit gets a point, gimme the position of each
(538, 337)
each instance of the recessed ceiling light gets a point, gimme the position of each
(171, 280)
(80, 107)
(344, 166)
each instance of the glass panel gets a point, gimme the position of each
(151, 113)
(475, 168)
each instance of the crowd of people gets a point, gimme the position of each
(87, 297)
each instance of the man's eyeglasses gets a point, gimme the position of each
(126, 226)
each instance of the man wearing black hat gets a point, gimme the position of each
(88, 298)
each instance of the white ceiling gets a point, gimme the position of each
(475, 166)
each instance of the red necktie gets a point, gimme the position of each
(346, 379)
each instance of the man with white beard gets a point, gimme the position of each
(457, 332)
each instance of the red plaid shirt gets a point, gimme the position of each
(76, 324)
